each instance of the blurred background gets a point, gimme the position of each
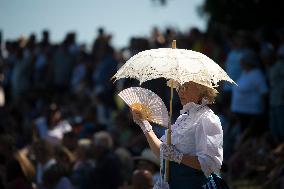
(62, 124)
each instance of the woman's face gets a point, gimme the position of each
(188, 92)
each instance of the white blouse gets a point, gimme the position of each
(198, 132)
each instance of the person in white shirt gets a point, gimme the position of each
(196, 152)
(52, 127)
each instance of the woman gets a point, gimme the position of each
(196, 150)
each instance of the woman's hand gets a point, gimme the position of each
(137, 116)
(161, 184)
(170, 152)
(144, 124)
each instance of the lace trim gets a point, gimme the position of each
(193, 107)
(171, 153)
(144, 125)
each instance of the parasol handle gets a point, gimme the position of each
(174, 44)
(169, 141)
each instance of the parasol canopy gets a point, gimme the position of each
(179, 65)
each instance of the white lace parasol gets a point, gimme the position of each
(148, 103)
(180, 65)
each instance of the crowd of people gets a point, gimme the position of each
(63, 126)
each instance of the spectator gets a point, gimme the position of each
(107, 164)
(49, 173)
(15, 173)
(53, 126)
(142, 179)
(148, 161)
(54, 178)
(127, 164)
(44, 155)
(83, 164)
(276, 75)
(248, 98)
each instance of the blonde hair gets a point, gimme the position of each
(207, 93)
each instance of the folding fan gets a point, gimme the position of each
(148, 103)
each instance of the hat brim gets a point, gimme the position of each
(137, 158)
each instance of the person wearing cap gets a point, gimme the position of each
(196, 152)
(148, 161)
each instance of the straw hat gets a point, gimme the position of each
(148, 155)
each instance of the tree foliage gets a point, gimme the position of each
(244, 14)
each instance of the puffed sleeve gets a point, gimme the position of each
(209, 141)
